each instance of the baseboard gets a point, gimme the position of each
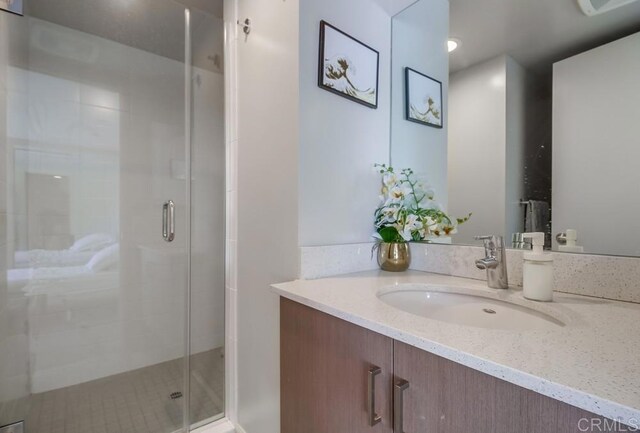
(222, 426)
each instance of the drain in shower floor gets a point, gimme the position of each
(175, 395)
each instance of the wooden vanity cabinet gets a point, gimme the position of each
(447, 397)
(325, 366)
(324, 386)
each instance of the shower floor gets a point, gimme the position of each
(137, 401)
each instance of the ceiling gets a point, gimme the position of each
(536, 33)
(156, 26)
(397, 6)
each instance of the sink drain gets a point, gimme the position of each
(489, 311)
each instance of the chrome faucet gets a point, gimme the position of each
(495, 261)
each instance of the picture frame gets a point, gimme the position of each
(348, 67)
(423, 99)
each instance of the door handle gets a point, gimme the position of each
(398, 405)
(168, 223)
(374, 418)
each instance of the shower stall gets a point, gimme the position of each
(112, 186)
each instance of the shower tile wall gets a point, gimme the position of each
(111, 119)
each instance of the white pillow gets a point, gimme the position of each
(92, 242)
(106, 259)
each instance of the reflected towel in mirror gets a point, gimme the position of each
(537, 216)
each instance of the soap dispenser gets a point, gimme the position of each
(571, 246)
(537, 277)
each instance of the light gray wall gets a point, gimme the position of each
(341, 140)
(487, 134)
(397, 6)
(267, 200)
(420, 42)
(477, 137)
(595, 147)
(516, 113)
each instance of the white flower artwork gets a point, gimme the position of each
(423, 99)
(347, 67)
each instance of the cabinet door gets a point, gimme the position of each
(325, 372)
(446, 397)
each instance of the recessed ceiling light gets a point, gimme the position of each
(452, 44)
(57, 177)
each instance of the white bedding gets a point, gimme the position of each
(77, 254)
(61, 280)
(51, 258)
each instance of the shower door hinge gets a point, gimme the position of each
(13, 6)
(246, 25)
(17, 427)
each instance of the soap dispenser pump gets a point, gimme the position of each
(537, 272)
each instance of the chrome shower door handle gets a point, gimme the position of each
(168, 222)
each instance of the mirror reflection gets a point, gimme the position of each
(540, 118)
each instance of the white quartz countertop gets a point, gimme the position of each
(593, 362)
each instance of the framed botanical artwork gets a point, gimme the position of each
(347, 67)
(423, 96)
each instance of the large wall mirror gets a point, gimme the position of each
(540, 118)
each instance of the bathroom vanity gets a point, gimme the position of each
(354, 361)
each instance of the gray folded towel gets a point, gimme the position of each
(537, 216)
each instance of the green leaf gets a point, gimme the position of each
(465, 219)
(388, 234)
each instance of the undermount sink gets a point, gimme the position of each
(469, 307)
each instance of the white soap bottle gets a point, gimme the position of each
(537, 277)
(571, 247)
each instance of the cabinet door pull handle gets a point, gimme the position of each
(398, 392)
(374, 418)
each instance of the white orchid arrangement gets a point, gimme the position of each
(407, 210)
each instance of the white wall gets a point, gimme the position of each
(420, 36)
(595, 147)
(267, 200)
(341, 140)
(516, 117)
(477, 122)
(487, 125)
(396, 6)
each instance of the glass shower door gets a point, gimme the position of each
(98, 131)
(207, 197)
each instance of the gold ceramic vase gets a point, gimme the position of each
(394, 256)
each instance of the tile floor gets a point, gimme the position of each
(133, 402)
